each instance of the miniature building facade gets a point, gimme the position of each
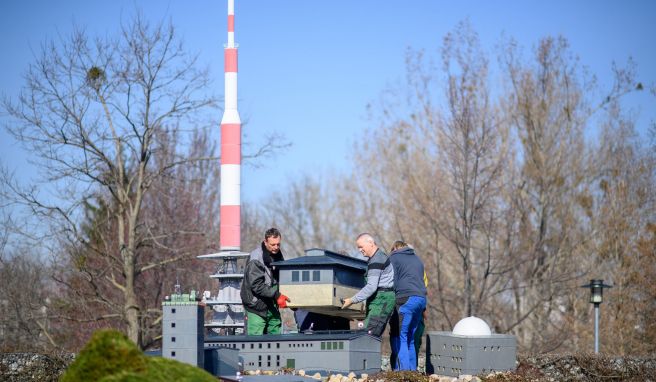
(222, 361)
(183, 330)
(452, 355)
(320, 280)
(318, 352)
(228, 311)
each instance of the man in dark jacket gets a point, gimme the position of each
(410, 290)
(259, 290)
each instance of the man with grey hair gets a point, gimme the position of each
(379, 290)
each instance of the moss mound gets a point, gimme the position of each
(111, 357)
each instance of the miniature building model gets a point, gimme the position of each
(452, 354)
(318, 281)
(329, 352)
(182, 329)
(228, 317)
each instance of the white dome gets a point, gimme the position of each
(472, 326)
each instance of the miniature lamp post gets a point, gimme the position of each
(596, 298)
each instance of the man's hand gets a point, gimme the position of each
(282, 301)
(346, 303)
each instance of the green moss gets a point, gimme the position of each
(111, 357)
(108, 352)
(163, 369)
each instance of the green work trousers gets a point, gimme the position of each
(380, 307)
(258, 325)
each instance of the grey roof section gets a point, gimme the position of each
(318, 256)
(328, 335)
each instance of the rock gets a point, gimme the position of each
(267, 372)
(465, 378)
(33, 367)
(364, 376)
(301, 373)
(316, 376)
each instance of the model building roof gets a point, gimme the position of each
(328, 335)
(318, 256)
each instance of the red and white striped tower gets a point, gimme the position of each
(230, 238)
(228, 317)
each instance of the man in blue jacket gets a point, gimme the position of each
(410, 293)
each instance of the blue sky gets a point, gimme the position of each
(308, 68)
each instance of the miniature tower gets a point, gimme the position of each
(183, 336)
(228, 311)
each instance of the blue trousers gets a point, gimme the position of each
(409, 318)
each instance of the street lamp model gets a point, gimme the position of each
(596, 298)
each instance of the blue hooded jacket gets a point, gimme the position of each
(408, 273)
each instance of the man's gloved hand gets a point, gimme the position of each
(282, 301)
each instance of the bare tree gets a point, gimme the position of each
(24, 292)
(551, 103)
(103, 120)
(624, 214)
(307, 211)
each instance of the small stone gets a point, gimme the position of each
(267, 372)
(364, 376)
(351, 375)
(301, 373)
(465, 378)
(316, 376)
(434, 377)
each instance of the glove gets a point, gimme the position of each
(282, 301)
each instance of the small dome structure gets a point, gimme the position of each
(472, 326)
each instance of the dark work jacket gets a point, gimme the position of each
(259, 290)
(408, 274)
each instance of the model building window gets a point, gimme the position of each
(172, 339)
(316, 275)
(173, 324)
(294, 276)
(329, 346)
(341, 345)
(172, 310)
(306, 275)
(172, 354)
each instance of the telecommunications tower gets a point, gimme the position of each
(228, 316)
